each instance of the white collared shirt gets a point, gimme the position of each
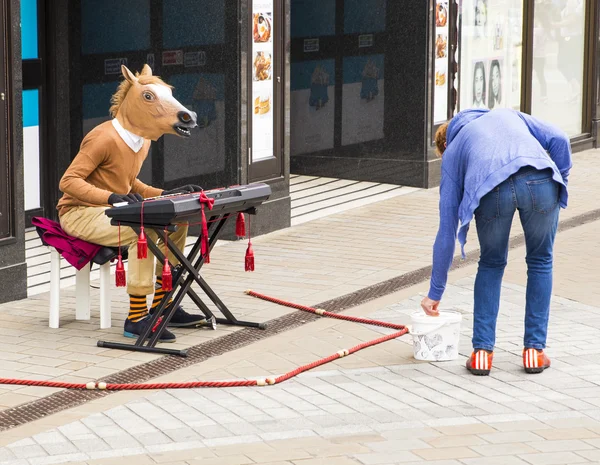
(133, 141)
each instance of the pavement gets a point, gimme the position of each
(378, 406)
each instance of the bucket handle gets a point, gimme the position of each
(430, 331)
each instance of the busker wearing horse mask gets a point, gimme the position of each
(493, 164)
(105, 172)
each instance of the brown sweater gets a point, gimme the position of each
(104, 165)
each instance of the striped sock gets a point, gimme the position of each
(158, 293)
(138, 307)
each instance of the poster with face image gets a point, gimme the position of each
(495, 90)
(491, 45)
(479, 84)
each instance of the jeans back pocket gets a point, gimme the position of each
(544, 194)
(489, 206)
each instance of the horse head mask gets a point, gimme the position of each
(145, 106)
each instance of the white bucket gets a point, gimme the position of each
(435, 338)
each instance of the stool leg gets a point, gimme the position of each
(105, 315)
(82, 293)
(54, 318)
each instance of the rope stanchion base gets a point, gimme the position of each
(93, 385)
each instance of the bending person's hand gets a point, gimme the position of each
(430, 307)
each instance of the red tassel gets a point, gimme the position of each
(167, 277)
(142, 245)
(249, 257)
(240, 225)
(120, 278)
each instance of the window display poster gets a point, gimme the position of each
(262, 80)
(440, 97)
(312, 106)
(204, 151)
(363, 99)
(490, 54)
(363, 16)
(312, 18)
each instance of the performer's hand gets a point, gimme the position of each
(430, 307)
(129, 198)
(188, 188)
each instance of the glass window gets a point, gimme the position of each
(31, 147)
(558, 45)
(29, 36)
(112, 26)
(490, 54)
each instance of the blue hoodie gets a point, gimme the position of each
(483, 149)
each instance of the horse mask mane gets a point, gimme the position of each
(144, 105)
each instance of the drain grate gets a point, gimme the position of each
(62, 400)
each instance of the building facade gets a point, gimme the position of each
(343, 88)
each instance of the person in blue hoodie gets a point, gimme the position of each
(493, 164)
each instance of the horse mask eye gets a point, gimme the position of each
(148, 96)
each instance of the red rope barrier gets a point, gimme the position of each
(235, 383)
(325, 313)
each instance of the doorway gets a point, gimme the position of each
(7, 212)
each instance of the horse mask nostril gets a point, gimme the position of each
(185, 117)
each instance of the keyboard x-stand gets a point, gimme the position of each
(184, 275)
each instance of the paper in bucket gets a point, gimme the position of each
(436, 338)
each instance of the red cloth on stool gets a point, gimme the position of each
(75, 251)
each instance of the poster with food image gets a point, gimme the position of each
(262, 123)
(312, 106)
(441, 13)
(441, 46)
(262, 27)
(440, 55)
(363, 99)
(440, 108)
(262, 66)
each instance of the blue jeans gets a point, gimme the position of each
(535, 195)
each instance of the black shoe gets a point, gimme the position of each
(133, 330)
(183, 319)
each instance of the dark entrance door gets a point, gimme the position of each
(6, 197)
(190, 44)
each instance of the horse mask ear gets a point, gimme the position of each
(146, 71)
(128, 74)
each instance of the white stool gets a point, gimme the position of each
(82, 292)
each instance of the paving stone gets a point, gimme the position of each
(560, 445)
(66, 458)
(384, 458)
(443, 453)
(60, 448)
(28, 452)
(231, 460)
(326, 461)
(553, 458)
(499, 460)
(508, 437)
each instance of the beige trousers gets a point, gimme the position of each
(92, 225)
